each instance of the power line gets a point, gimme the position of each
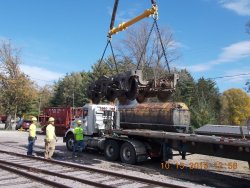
(230, 76)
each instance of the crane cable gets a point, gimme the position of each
(99, 64)
(163, 49)
(144, 48)
(155, 17)
(109, 39)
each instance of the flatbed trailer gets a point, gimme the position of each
(232, 148)
(102, 131)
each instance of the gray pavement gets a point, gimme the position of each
(2, 126)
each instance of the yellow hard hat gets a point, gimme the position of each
(79, 122)
(51, 119)
(33, 119)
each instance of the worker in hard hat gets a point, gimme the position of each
(50, 139)
(32, 136)
(78, 138)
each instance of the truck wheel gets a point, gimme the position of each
(128, 154)
(70, 142)
(111, 150)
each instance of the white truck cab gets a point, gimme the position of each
(97, 119)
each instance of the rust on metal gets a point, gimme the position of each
(130, 86)
(155, 116)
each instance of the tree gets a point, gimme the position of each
(185, 88)
(235, 107)
(150, 59)
(248, 81)
(248, 86)
(71, 90)
(44, 96)
(107, 67)
(205, 106)
(42, 100)
(17, 90)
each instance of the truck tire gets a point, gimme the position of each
(128, 154)
(111, 150)
(70, 142)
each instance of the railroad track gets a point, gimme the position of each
(63, 174)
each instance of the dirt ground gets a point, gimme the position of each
(195, 171)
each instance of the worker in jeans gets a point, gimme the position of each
(50, 139)
(78, 138)
(32, 136)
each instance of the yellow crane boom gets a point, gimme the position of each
(125, 25)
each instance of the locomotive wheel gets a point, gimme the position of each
(123, 100)
(133, 89)
(163, 96)
(111, 150)
(128, 154)
(111, 95)
(96, 98)
(140, 98)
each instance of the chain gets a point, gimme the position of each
(144, 49)
(114, 57)
(163, 49)
(99, 65)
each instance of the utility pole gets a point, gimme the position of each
(39, 108)
(73, 100)
(73, 104)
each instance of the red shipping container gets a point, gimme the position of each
(63, 117)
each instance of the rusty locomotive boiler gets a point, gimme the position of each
(171, 116)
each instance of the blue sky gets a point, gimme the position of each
(61, 36)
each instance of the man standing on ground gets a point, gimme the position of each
(32, 136)
(50, 139)
(78, 135)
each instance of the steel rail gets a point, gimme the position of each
(82, 167)
(38, 170)
(34, 177)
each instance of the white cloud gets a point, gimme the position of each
(123, 15)
(199, 67)
(232, 53)
(241, 7)
(174, 44)
(40, 75)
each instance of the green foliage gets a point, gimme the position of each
(44, 96)
(202, 97)
(108, 67)
(235, 107)
(248, 86)
(17, 90)
(205, 107)
(71, 90)
(185, 88)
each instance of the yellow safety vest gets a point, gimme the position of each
(50, 133)
(32, 130)
(78, 131)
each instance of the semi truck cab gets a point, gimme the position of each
(98, 120)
